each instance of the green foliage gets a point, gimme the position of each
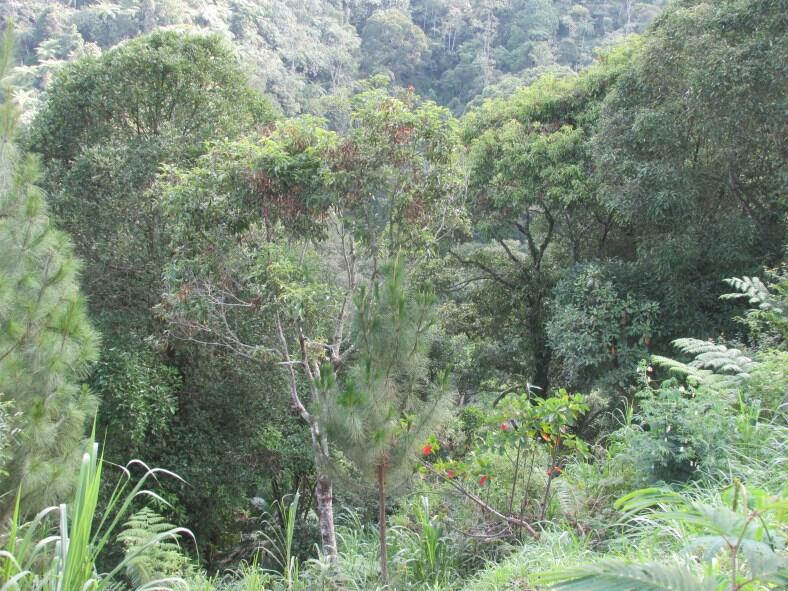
(142, 393)
(387, 401)
(686, 159)
(392, 43)
(297, 51)
(535, 431)
(679, 430)
(197, 92)
(766, 318)
(740, 540)
(395, 172)
(597, 333)
(573, 225)
(109, 124)
(299, 218)
(621, 576)
(769, 381)
(712, 363)
(533, 194)
(680, 433)
(47, 344)
(150, 562)
(34, 559)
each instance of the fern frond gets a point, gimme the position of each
(724, 361)
(694, 347)
(570, 497)
(753, 290)
(161, 559)
(692, 374)
(615, 575)
(712, 363)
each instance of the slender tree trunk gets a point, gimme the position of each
(524, 504)
(384, 569)
(514, 478)
(536, 320)
(324, 493)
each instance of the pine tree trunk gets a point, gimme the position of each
(325, 510)
(384, 569)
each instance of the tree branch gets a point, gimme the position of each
(507, 518)
(295, 399)
(509, 252)
(493, 275)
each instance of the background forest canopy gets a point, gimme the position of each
(426, 286)
(302, 53)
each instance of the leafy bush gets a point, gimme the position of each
(600, 328)
(740, 540)
(679, 432)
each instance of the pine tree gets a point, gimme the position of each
(388, 401)
(46, 341)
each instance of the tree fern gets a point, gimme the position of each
(754, 291)
(729, 367)
(712, 363)
(747, 528)
(160, 559)
(614, 575)
(767, 320)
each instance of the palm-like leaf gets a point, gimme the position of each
(614, 575)
(753, 290)
(712, 363)
(743, 529)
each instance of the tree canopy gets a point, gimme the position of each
(427, 294)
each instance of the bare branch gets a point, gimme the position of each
(295, 399)
(483, 267)
(507, 518)
(509, 252)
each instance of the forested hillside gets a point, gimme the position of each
(299, 53)
(456, 295)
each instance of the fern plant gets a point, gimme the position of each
(728, 367)
(767, 319)
(150, 562)
(713, 363)
(59, 548)
(735, 545)
(755, 292)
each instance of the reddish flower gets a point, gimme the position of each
(545, 436)
(483, 480)
(426, 450)
(450, 474)
(504, 426)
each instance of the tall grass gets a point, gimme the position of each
(280, 543)
(58, 549)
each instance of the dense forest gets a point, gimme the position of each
(456, 295)
(302, 53)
